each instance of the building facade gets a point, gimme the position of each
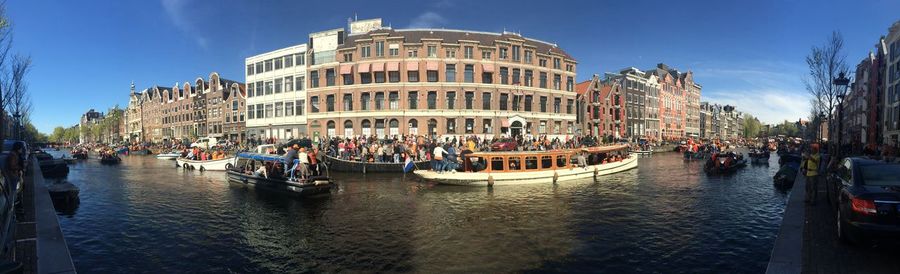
(599, 108)
(133, 121)
(437, 82)
(276, 94)
(891, 75)
(88, 119)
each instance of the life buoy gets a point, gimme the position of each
(229, 166)
(202, 169)
(186, 166)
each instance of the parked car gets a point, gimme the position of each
(504, 144)
(868, 200)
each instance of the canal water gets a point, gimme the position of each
(668, 216)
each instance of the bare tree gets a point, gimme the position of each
(5, 45)
(19, 101)
(825, 64)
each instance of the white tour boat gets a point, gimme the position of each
(215, 165)
(512, 168)
(168, 156)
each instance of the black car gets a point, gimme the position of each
(868, 200)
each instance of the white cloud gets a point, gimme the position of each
(177, 11)
(428, 19)
(768, 105)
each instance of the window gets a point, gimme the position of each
(394, 49)
(348, 79)
(329, 77)
(486, 54)
(300, 106)
(268, 110)
(268, 65)
(543, 80)
(413, 99)
(504, 53)
(487, 77)
(528, 102)
(515, 53)
(542, 129)
(250, 90)
(288, 83)
(279, 108)
(486, 126)
(259, 67)
(250, 114)
(569, 103)
(288, 61)
(432, 51)
(528, 54)
(503, 101)
(504, 75)
(515, 76)
(379, 77)
(470, 98)
(542, 62)
(250, 69)
(412, 76)
(278, 63)
(348, 102)
(543, 103)
(468, 52)
(364, 101)
(299, 82)
(486, 101)
(412, 53)
(469, 76)
(450, 53)
(450, 73)
(556, 63)
(570, 83)
(557, 81)
(393, 76)
(557, 105)
(278, 85)
(289, 109)
(379, 48)
(451, 99)
(470, 125)
(299, 59)
(365, 52)
(329, 102)
(379, 100)
(365, 78)
(394, 98)
(432, 100)
(529, 75)
(348, 57)
(314, 104)
(451, 125)
(314, 79)
(269, 88)
(557, 127)
(432, 75)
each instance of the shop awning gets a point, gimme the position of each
(431, 66)
(346, 69)
(489, 68)
(377, 67)
(393, 66)
(364, 68)
(412, 66)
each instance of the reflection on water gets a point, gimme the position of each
(667, 216)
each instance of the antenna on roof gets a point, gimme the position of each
(355, 17)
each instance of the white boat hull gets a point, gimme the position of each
(527, 177)
(214, 165)
(168, 156)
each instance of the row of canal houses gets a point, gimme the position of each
(371, 79)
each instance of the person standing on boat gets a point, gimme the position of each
(438, 162)
(288, 160)
(303, 164)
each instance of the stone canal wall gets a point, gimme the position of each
(40, 245)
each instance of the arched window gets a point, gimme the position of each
(348, 128)
(413, 126)
(379, 127)
(366, 127)
(432, 127)
(395, 127)
(330, 127)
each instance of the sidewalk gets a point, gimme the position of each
(812, 246)
(40, 245)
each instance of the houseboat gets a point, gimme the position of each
(512, 168)
(266, 171)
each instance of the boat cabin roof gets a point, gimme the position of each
(592, 150)
(259, 156)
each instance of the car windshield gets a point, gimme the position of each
(880, 175)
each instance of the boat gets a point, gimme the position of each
(759, 156)
(530, 167)
(722, 167)
(80, 154)
(110, 159)
(139, 152)
(168, 156)
(246, 163)
(51, 167)
(337, 164)
(211, 165)
(688, 155)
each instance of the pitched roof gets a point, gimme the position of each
(453, 36)
(582, 87)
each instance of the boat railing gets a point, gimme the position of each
(538, 160)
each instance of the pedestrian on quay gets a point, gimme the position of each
(810, 167)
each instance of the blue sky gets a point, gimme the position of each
(747, 53)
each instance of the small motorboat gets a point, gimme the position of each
(80, 154)
(139, 152)
(51, 167)
(724, 163)
(688, 155)
(211, 165)
(110, 160)
(759, 156)
(246, 163)
(168, 156)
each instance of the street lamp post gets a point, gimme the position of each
(842, 81)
